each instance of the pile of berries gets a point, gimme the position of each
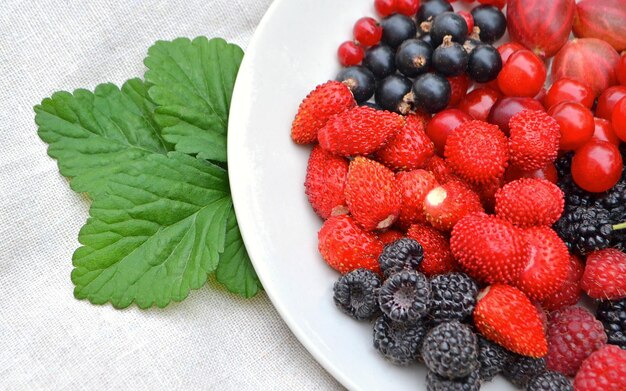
(469, 237)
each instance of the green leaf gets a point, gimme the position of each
(235, 271)
(155, 235)
(96, 135)
(192, 83)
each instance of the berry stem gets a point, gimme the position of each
(619, 226)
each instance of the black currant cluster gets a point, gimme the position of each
(409, 68)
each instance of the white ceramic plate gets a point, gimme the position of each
(293, 50)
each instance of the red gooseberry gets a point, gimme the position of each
(604, 131)
(444, 123)
(597, 166)
(619, 119)
(565, 89)
(607, 101)
(479, 102)
(620, 70)
(576, 123)
(523, 74)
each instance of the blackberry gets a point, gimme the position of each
(405, 296)
(360, 81)
(564, 164)
(585, 229)
(435, 382)
(453, 297)
(399, 342)
(451, 350)
(520, 370)
(612, 314)
(492, 358)
(550, 381)
(356, 294)
(403, 254)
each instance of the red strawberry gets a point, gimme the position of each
(441, 170)
(458, 88)
(325, 182)
(605, 274)
(569, 293)
(438, 258)
(603, 370)
(547, 265)
(446, 204)
(345, 246)
(528, 201)
(534, 140)
(504, 315)
(477, 151)
(322, 103)
(372, 194)
(413, 185)
(489, 249)
(359, 131)
(390, 236)
(409, 149)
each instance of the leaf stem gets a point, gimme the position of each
(619, 226)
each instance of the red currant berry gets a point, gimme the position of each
(564, 90)
(385, 7)
(597, 166)
(407, 7)
(479, 102)
(619, 119)
(498, 3)
(509, 48)
(367, 31)
(620, 70)
(604, 131)
(444, 123)
(607, 101)
(548, 172)
(469, 19)
(507, 107)
(350, 53)
(522, 75)
(576, 123)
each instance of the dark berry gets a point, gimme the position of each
(403, 254)
(430, 9)
(360, 81)
(380, 60)
(484, 64)
(612, 314)
(470, 44)
(405, 296)
(448, 23)
(356, 294)
(413, 57)
(550, 381)
(585, 228)
(398, 28)
(391, 92)
(520, 370)
(491, 22)
(450, 58)
(399, 342)
(431, 92)
(350, 53)
(453, 297)
(435, 382)
(492, 358)
(451, 350)
(426, 38)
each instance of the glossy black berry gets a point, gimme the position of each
(426, 38)
(484, 64)
(435, 382)
(453, 297)
(470, 44)
(413, 57)
(492, 358)
(450, 58)
(360, 81)
(398, 28)
(612, 314)
(550, 381)
(431, 92)
(491, 22)
(451, 350)
(399, 342)
(356, 294)
(380, 60)
(432, 8)
(403, 254)
(405, 296)
(520, 370)
(391, 93)
(448, 23)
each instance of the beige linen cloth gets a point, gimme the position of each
(48, 340)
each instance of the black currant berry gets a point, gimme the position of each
(398, 28)
(380, 60)
(413, 57)
(432, 8)
(427, 38)
(431, 92)
(491, 22)
(450, 59)
(360, 81)
(484, 64)
(450, 24)
(391, 92)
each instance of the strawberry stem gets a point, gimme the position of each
(619, 226)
